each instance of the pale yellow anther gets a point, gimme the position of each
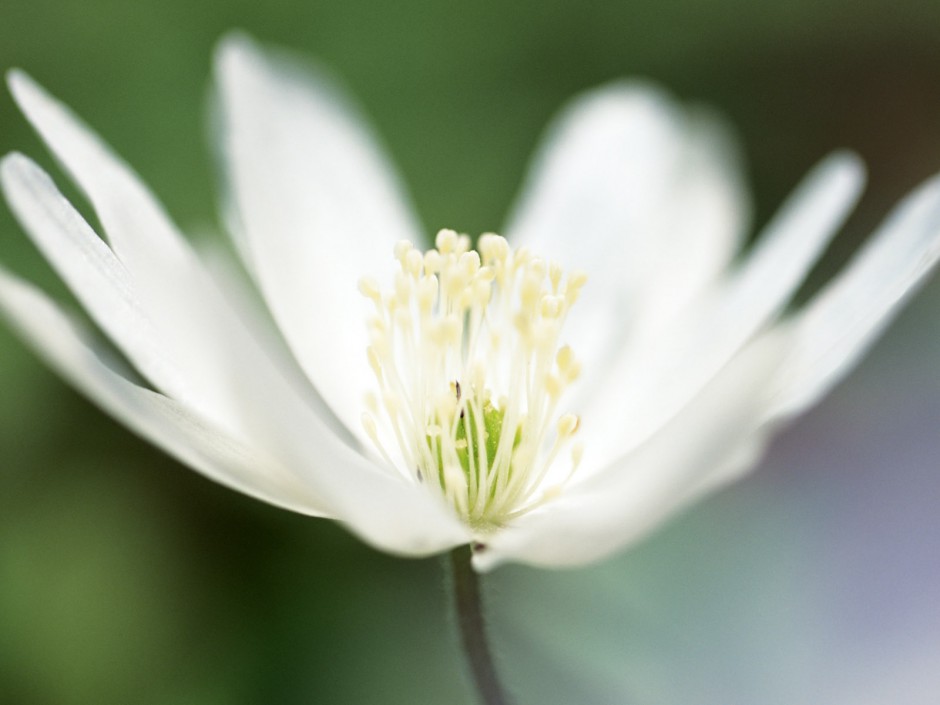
(551, 306)
(522, 324)
(368, 425)
(469, 264)
(493, 248)
(553, 386)
(369, 288)
(432, 262)
(572, 372)
(576, 281)
(402, 248)
(529, 291)
(568, 425)
(454, 283)
(568, 365)
(486, 274)
(374, 361)
(446, 241)
(392, 403)
(537, 267)
(486, 246)
(376, 326)
(564, 358)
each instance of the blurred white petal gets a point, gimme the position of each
(841, 322)
(92, 271)
(162, 421)
(652, 381)
(381, 508)
(600, 196)
(318, 207)
(201, 334)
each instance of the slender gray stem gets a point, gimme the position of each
(473, 628)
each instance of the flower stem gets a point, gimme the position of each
(473, 629)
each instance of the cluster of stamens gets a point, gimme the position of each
(465, 350)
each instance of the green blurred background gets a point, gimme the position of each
(125, 578)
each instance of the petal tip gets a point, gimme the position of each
(17, 77)
(26, 91)
(235, 48)
(233, 42)
(13, 160)
(848, 162)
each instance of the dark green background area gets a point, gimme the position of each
(125, 578)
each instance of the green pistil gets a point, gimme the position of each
(467, 441)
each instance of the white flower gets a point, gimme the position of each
(681, 359)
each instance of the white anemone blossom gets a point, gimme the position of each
(549, 397)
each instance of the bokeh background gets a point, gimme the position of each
(125, 578)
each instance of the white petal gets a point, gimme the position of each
(162, 421)
(649, 386)
(227, 371)
(328, 478)
(839, 325)
(160, 267)
(644, 197)
(136, 225)
(90, 268)
(318, 208)
(625, 501)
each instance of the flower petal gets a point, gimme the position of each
(645, 197)
(224, 365)
(840, 324)
(629, 498)
(318, 208)
(652, 382)
(331, 479)
(90, 268)
(162, 421)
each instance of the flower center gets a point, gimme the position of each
(465, 350)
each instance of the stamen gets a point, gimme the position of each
(466, 355)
